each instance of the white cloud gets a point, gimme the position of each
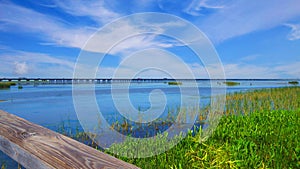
(249, 71)
(196, 6)
(54, 31)
(289, 70)
(94, 9)
(21, 68)
(295, 31)
(152, 63)
(17, 63)
(243, 17)
(250, 58)
(16, 19)
(135, 33)
(232, 71)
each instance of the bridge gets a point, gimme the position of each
(88, 81)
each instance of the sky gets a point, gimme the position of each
(253, 39)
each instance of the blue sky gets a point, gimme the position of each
(254, 39)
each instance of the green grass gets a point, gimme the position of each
(174, 83)
(267, 139)
(260, 129)
(6, 85)
(231, 83)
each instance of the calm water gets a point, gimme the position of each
(52, 105)
(49, 105)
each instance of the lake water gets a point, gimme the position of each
(52, 105)
(49, 105)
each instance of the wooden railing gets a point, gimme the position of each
(36, 147)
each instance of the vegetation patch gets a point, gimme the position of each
(175, 83)
(259, 129)
(6, 85)
(232, 83)
(293, 82)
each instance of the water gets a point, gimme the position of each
(52, 105)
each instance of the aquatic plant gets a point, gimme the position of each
(293, 82)
(174, 83)
(6, 85)
(229, 83)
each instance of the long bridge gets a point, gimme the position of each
(23, 80)
(88, 80)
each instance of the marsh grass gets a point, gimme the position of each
(229, 83)
(6, 85)
(293, 82)
(260, 129)
(174, 83)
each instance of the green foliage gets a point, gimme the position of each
(260, 130)
(293, 82)
(262, 139)
(174, 83)
(231, 83)
(6, 85)
(267, 139)
(264, 99)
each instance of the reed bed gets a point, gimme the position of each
(229, 83)
(263, 100)
(6, 85)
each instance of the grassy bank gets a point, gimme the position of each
(268, 139)
(260, 129)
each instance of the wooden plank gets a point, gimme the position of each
(35, 147)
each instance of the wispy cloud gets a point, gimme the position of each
(243, 17)
(53, 31)
(295, 31)
(196, 7)
(16, 63)
(231, 70)
(97, 10)
(16, 18)
(250, 58)
(134, 33)
(21, 68)
(287, 70)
